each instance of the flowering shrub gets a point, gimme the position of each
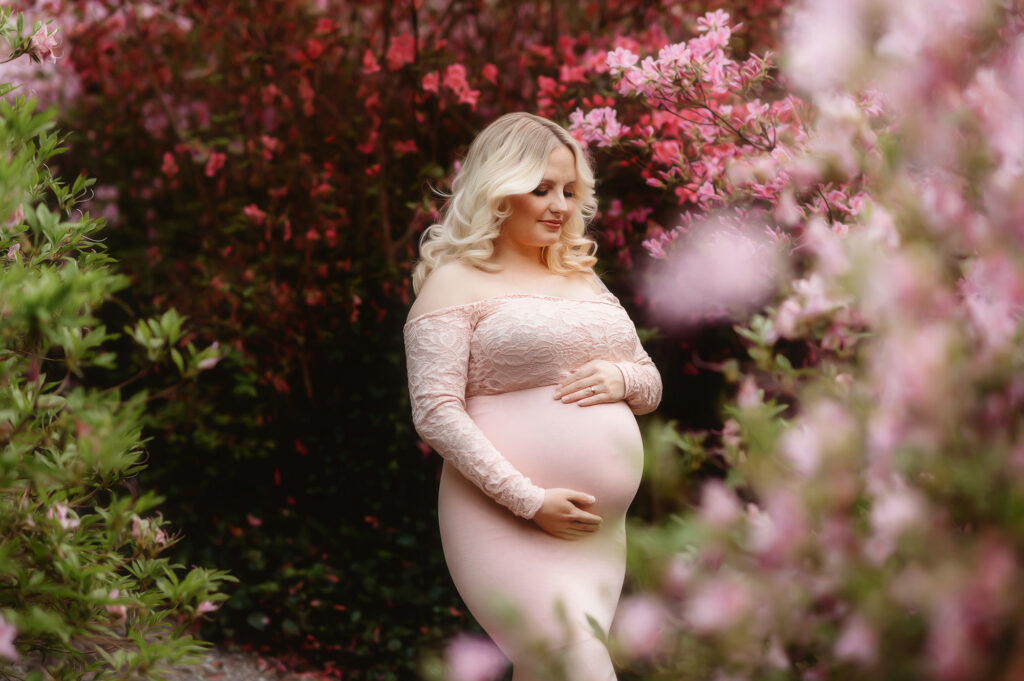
(867, 524)
(85, 592)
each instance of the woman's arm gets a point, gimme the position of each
(437, 357)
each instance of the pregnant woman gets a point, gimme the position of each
(525, 374)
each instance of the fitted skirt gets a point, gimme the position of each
(524, 586)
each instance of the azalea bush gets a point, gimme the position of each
(84, 589)
(866, 521)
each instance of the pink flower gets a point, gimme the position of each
(60, 512)
(431, 81)
(639, 625)
(471, 658)
(17, 217)
(146, 532)
(490, 73)
(370, 64)
(13, 251)
(169, 166)
(713, 21)
(215, 163)
(621, 58)
(401, 51)
(599, 125)
(43, 45)
(254, 213)
(720, 268)
(719, 603)
(206, 606)
(7, 634)
(209, 362)
(857, 642)
(120, 612)
(718, 505)
(403, 147)
(455, 77)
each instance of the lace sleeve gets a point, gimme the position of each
(643, 382)
(437, 357)
(642, 379)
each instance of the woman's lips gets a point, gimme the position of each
(551, 224)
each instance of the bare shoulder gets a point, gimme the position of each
(590, 280)
(453, 283)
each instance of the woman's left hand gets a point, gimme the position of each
(596, 382)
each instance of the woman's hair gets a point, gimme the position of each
(509, 157)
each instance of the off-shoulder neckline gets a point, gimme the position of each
(605, 297)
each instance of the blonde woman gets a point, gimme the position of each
(525, 374)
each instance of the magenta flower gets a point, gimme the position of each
(207, 607)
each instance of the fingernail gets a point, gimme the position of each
(565, 399)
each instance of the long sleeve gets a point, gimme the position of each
(643, 381)
(437, 357)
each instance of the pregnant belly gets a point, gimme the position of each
(595, 449)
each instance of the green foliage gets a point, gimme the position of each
(84, 591)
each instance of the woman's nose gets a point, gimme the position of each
(559, 204)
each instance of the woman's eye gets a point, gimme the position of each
(570, 195)
(539, 192)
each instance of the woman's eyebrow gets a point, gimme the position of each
(547, 181)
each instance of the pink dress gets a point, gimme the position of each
(482, 379)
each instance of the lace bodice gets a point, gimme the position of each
(507, 343)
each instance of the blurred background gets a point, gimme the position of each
(812, 211)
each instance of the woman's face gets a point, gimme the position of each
(537, 218)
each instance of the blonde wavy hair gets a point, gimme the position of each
(509, 157)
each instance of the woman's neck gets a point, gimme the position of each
(518, 259)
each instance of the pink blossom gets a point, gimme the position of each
(17, 217)
(993, 292)
(8, 632)
(893, 512)
(43, 45)
(63, 515)
(254, 213)
(719, 269)
(215, 163)
(666, 152)
(120, 612)
(598, 125)
(472, 658)
(209, 362)
(431, 81)
(719, 603)
(403, 147)
(401, 51)
(621, 58)
(713, 21)
(719, 506)
(858, 641)
(147, 532)
(639, 625)
(206, 607)
(370, 64)
(13, 251)
(490, 73)
(455, 77)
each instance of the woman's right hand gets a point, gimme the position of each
(561, 514)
